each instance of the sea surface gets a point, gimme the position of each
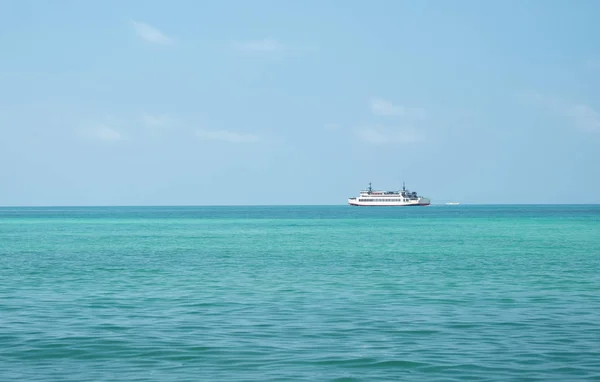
(323, 293)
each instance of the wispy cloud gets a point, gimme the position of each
(265, 46)
(585, 117)
(582, 116)
(592, 64)
(156, 127)
(380, 135)
(226, 136)
(383, 107)
(157, 120)
(102, 132)
(150, 34)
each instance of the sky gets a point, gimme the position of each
(298, 102)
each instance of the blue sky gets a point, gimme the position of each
(280, 102)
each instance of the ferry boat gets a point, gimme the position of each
(370, 197)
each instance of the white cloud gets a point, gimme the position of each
(227, 136)
(156, 120)
(103, 133)
(265, 45)
(586, 118)
(582, 116)
(383, 107)
(158, 126)
(592, 64)
(380, 135)
(149, 33)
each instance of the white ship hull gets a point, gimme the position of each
(408, 203)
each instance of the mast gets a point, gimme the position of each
(403, 186)
(370, 189)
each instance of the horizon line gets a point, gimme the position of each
(281, 205)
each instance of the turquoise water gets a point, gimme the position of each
(339, 293)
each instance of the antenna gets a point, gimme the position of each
(370, 187)
(403, 186)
